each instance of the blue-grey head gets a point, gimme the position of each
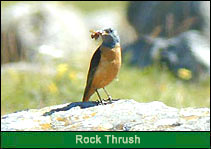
(110, 38)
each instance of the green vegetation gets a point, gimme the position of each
(84, 6)
(24, 90)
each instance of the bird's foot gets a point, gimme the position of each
(105, 101)
(101, 102)
(108, 101)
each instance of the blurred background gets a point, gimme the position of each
(46, 48)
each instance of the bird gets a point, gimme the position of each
(105, 63)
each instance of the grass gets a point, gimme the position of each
(84, 6)
(24, 90)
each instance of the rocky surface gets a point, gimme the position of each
(121, 115)
(189, 50)
(174, 34)
(169, 19)
(42, 32)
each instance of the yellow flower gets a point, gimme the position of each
(184, 73)
(72, 75)
(52, 88)
(61, 69)
(162, 87)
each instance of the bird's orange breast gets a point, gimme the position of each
(108, 67)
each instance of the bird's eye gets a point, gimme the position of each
(109, 30)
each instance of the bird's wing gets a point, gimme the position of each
(93, 66)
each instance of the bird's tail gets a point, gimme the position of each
(87, 94)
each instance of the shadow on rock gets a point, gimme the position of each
(83, 105)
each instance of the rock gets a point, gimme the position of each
(168, 19)
(176, 34)
(205, 10)
(121, 115)
(43, 31)
(186, 55)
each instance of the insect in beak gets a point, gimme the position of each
(95, 34)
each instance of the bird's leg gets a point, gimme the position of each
(109, 97)
(99, 97)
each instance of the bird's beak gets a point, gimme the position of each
(104, 33)
(96, 34)
(92, 31)
(100, 32)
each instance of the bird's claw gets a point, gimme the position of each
(101, 102)
(105, 102)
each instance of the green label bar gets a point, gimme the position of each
(105, 139)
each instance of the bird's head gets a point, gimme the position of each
(109, 36)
